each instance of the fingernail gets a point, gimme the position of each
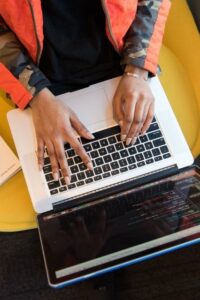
(55, 176)
(133, 141)
(67, 180)
(128, 141)
(123, 137)
(90, 166)
(40, 167)
(90, 135)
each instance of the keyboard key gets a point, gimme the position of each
(140, 148)
(111, 149)
(70, 162)
(95, 145)
(81, 176)
(53, 192)
(80, 183)
(62, 189)
(106, 168)
(89, 173)
(124, 153)
(70, 153)
(164, 149)
(124, 169)
(112, 140)
(114, 165)
(46, 161)
(159, 142)
(74, 169)
(71, 186)
(115, 156)
(141, 164)
(49, 177)
(115, 172)
(147, 154)
(53, 184)
(82, 167)
(89, 180)
(118, 137)
(105, 175)
(132, 151)
(149, 161)
(119, 146)
(156, 152)
(98, 177)
(143, 138)
(87, 147)
(67, 146)
(98, 170)
(167, 155)
(107, 158)
(154, 135)
(99, 161)
(104, 143)
(139, 157)
(131, 160)
(62, 181)
(123, 162)
(131, 167)
(102, 151)
(157, 158)
(148, 145)
(47, 169)
(77, 159)
(152, 127)
(73, 178)
(94, 154)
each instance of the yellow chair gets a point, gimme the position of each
(180, 63)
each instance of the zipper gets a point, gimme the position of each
(111, 35)
(38, 54)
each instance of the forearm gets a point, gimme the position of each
(144, 37)
(16, 64)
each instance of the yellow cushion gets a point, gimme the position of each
(16, 212)
(180, 62)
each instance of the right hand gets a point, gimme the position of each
(54, 125)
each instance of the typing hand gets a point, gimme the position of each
(133, 105)
(54, 125)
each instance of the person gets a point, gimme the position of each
(52, 47)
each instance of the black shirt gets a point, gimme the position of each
(76, 50)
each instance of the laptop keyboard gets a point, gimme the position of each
(109, 156)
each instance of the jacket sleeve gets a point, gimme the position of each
(20, 78)
(143, 40)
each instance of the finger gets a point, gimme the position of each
(53, 159)
(148, 119)
(80, 128)
(61, 158)
(129, 111)
(40, 153)
(118, 108)
(137, 121)
(78, 148)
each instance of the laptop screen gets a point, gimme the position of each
(120, 229)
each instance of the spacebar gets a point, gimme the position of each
(103, 133)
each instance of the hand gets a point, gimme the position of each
(133, 105)
(54, 124)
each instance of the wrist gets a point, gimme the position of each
(40, 95)
(136, 72)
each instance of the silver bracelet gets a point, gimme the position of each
(135, 75)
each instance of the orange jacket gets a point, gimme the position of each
(134, 27)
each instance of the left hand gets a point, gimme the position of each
(133, 105)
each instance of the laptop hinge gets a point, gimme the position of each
(114, 188)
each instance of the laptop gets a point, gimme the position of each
(129, 208)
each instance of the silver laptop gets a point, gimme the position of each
(97, 116)
(161, 152)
